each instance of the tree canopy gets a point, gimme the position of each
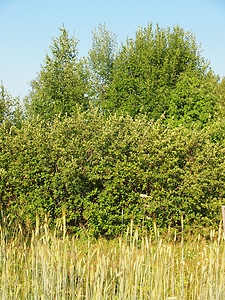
(62, 81)
(158, 72)
(11, 112)
(101, 58)
(162, 72)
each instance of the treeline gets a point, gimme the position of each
(96, 132)
(158, 72)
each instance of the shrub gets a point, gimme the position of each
(98, 168)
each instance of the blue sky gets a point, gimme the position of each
(28, 26)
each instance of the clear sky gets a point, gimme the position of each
(28, 26)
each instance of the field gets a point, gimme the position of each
(54, 265)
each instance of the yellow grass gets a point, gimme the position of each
(55, 265)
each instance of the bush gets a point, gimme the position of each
(98, 168)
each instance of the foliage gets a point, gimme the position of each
(95, 163)
(11, 112)
(62, 81)
(101, 59)
(162, 72)
(222, 95)
(98, 168)
(159, 72)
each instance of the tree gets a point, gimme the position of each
(101, 59)
(11, 112)
(2, 104)
(162, 72)
(61, 84)
(222, 95)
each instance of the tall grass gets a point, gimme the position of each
(54, 265)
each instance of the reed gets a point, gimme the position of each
(54, 265)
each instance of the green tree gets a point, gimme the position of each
(2, 104)
(222, 95)
(162, 72)
(101, 59)
(11, 112)
(62, 81)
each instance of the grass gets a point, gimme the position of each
(54, 265)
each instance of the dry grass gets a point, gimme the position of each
(57, 266)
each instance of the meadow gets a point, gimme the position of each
(44, 264)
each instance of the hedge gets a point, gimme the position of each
(97, 168)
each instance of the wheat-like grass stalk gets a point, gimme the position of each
(54, 265)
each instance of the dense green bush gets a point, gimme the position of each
(98, 168)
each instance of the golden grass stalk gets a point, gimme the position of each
(54, 265)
